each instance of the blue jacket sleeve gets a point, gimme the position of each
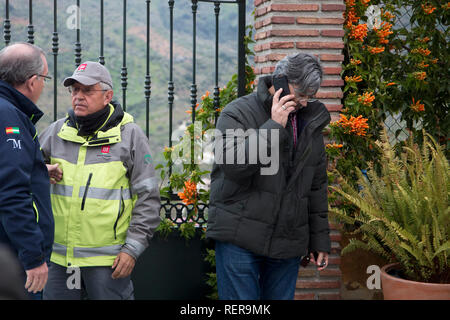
(17, 214)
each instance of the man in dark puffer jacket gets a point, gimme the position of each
(264, 222)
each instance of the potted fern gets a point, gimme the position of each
(402, 214)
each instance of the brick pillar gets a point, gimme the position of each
(312, 26)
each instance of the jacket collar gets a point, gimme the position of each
(109, 133)
(315, 110)
(262, 91)
(115, 117)
(20, 101)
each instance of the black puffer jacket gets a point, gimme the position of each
(282, 215)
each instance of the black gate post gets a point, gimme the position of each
(7, 25)
(241, 49)
(55, 49)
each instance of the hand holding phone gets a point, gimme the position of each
(316, 257)
(319, 256)
(283, 101)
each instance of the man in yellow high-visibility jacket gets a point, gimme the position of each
(104, 193)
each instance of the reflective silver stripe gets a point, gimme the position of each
(104, 194)
(96, 252)
(136, 247)
(61, 190)
(146, 185)
(59, 249)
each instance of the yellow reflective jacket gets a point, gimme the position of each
(108, 199)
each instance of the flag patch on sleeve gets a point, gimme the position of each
(10, 130)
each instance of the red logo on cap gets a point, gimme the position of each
(105, 149)
(82, 67)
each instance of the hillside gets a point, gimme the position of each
(136, 52)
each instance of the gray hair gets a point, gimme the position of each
(303, 71)
(17, 64)
(105, 86)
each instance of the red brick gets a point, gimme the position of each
(332, 33)
(259, 59)
(335, 226)
(320, 45)
(334, 108)
(264, 46)
(273, 45)
(270, 57)
(260, 11)
(275, 56)
(329, 95)
(332, 70)
(304, 296)
(313, 20)
(281, 45)
(332, 57)
(333, 7)
(336, 237)
(293, 33)
(257, 2)
(267, 22)
(261, 35)
(293, 7)
(274, 20)
(282, 20)
(266, 70)
(258, 47)
(337, 259)
(330, 272)
(258, 24)
(329, 296)
(332, 83)
(306, 272)
(320, 284)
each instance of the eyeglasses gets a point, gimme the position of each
(302, 97)
(46, 78)
(84, 90)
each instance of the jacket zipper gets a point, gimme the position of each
(119, 214)
(316, 118)
(308, 147)
(86, 191)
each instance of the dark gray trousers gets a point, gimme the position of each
(93, 283)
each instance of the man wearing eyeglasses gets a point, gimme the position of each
(26, 220)
(105, 196)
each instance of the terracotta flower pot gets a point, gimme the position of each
(395, 288)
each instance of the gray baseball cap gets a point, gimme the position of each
(89, 73)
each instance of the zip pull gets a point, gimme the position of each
(119, 213)
(86, 190)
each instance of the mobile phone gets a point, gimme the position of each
(281, 82)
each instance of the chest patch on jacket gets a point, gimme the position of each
(105, 149)
(105, 153)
